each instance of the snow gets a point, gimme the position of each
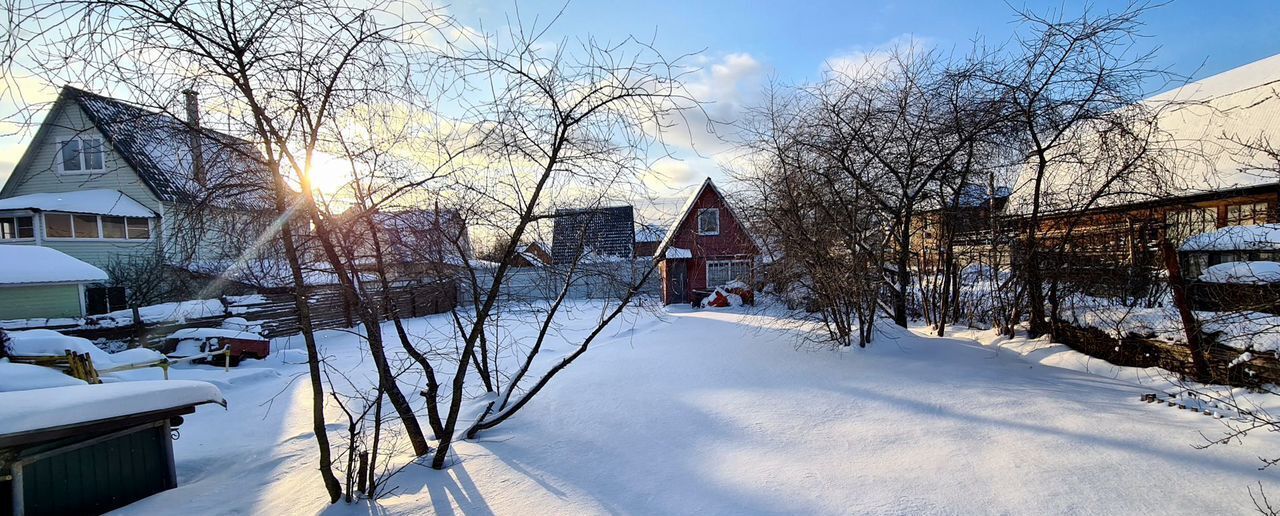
(1246, 273)
(717, 412)
(1243, 330)
(21, 377)
(205, 333)
(57, 406)
(676, 253)
(1209, 125)
(29, 264)
(35, 343)
(99, 202)
(1236, 238)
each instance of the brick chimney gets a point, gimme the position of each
(193, 134)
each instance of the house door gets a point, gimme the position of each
(677, 281)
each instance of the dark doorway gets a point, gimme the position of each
(677, 281)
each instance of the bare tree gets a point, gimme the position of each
(281, 72)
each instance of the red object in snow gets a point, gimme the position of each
(719, 301)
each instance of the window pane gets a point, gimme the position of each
(8, 229)
(25, 228)
(112, 227)
(709, 221)
(92, 154)
(57, 225)
(71, 155)
(86, 226)
(139, 229)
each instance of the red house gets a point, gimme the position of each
(706, 247)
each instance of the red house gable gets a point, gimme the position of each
(707, 244)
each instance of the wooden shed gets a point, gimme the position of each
(88, 449)
(707, 246)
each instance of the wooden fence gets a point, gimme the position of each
(1138, 351)
(276, 313)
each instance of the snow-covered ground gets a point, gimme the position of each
(699, 412)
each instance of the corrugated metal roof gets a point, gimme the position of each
(597, 231)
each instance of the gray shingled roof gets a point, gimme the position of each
(597, 231)
(158, 147)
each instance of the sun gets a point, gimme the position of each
(329, 173)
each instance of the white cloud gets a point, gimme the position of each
(723, 86)
(861, 61)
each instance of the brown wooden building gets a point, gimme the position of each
(706, 247)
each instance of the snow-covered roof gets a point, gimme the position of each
(29, 264)
(677, 253)
(98, 202)
(205, 333)
(650, 233)
(37, 409)
(1243, 273)
(1203, 127)
(686, 210)
(1236, 238)
(158, 147)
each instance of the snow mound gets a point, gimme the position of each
(44, 343)
(1243, 273)
(22, 377)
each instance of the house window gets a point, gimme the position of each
(1247, 214)
(81, 155)
(92, 227)
(1185, 224)
(101, 300)
(709, 221)
(12, 228)
(57, 225)
(723, 271)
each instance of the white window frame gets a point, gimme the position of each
(84, 169)
(698, 221)
(14, 218)
(44, 227)
(729, 263)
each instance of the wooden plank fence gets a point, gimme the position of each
(276, 313)
(1140, 351)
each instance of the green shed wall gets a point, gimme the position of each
(26, 302)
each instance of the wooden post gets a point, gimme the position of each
(138, 327)
(226, 355)
(1178, 286)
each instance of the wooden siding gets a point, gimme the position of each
(25, 302)
(37, 172)
(732, 243)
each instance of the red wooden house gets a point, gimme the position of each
(706, 247)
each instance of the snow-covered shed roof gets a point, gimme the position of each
(600, 232)
(30, 264)
(98, 202)
(650, 232)
(158, 146)
(1203, 128)
(25, 411)
(1236, 238)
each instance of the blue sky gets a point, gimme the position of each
(742, 44)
